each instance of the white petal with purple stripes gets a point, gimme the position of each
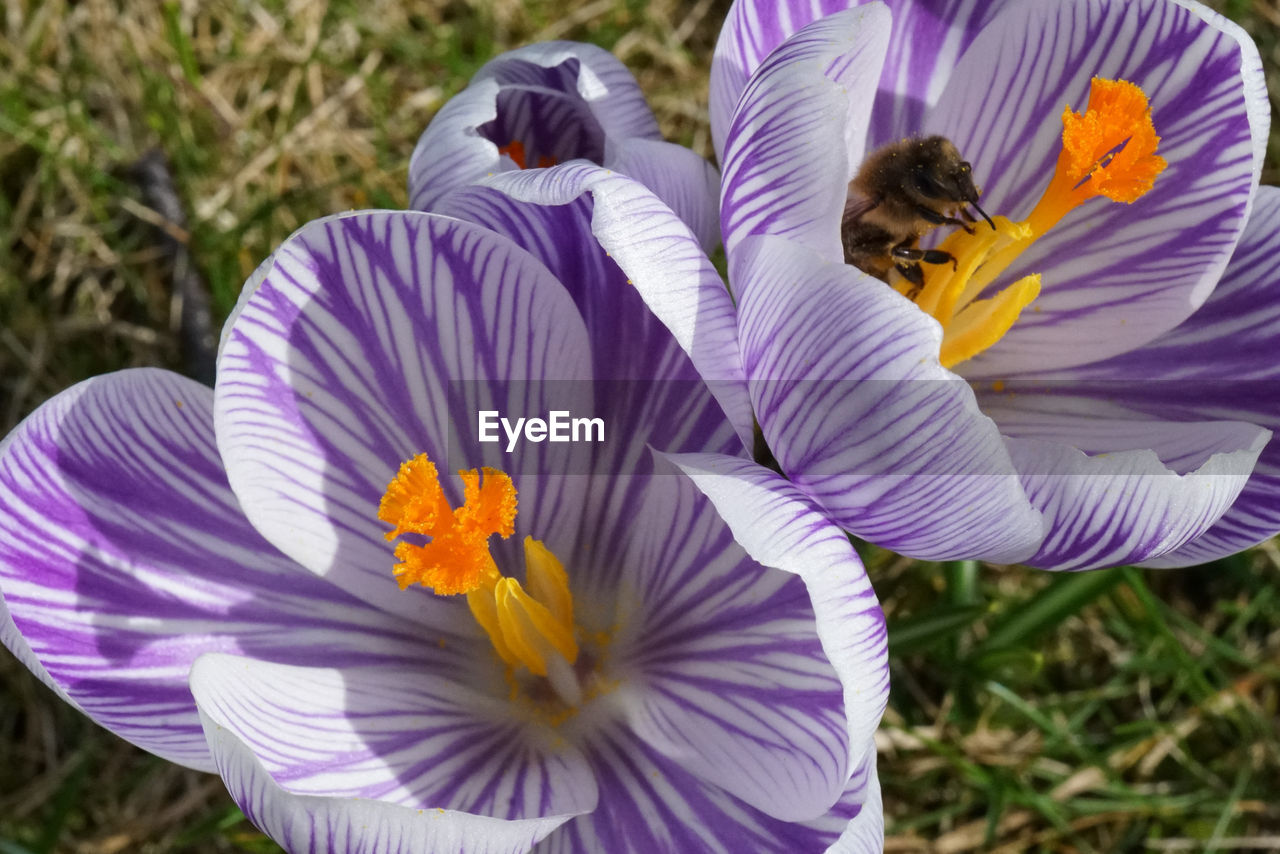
(780, 527)
(1219, 364)
(927, 38)
(799, 131)
(751, 30)
(1114, 275)
(384, 760)
(1122, 490)
(375, 337)
(685, 182)
(124, 555)
(618, 249)
(853, 403)
(649, 803)
(727, 674)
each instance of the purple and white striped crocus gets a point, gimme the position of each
(550, 103)
(655, 661)
(1054, 397)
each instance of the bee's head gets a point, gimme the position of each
(941, 174)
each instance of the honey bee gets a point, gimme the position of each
(902, 191)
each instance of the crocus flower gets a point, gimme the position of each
(1046, 397)
(629, 662)
(550, 103)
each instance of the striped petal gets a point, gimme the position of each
(1234, 336)
(859, 414)
(685, 182)
(375, 337)
(859, 815)
(778, 526)
(650, 803)
(927, 38)
(799, 131)
(1114, 275)
(730, 678)
(1219, 364)
(124, 556)
(1115, 489)
(560, 100)
(643, 285)
(751, 30)
(1252, 518)
(384, 760)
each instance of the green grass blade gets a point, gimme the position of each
(921, 631)
(1063, 598)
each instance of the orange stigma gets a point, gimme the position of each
(515, 150)
(1109, 151)
(457, 558)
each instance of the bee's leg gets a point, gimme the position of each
(913, 274)
(936, 218)
(929, 256)
(866, 246)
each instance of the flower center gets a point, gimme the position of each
(515, 150)
(1109, 151)
(533, 629)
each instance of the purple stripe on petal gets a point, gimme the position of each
(927, 38)
(1233, 337)
(858, 412)
(799, 131)
(780, 527)
(637, 275)
(732, 680)
(376, 337)
(1251, 519)
(405, 735)
(685, 182)
(351, 787)
(124, 556)
(859, 815)
(649, 803)
(752, 29)
(1126, 506)
(1114, 275)
(1219, 364)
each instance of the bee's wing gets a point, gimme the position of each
(855, 206)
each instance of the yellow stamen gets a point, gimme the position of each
(1107, 151)
(526, 628)
(547, 580)
(984, 322)
(530, 630)
(485, 610)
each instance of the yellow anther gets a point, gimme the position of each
(547, 581)
(984, 322)
(485, 610)
(1107, 151)
(531, 632)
